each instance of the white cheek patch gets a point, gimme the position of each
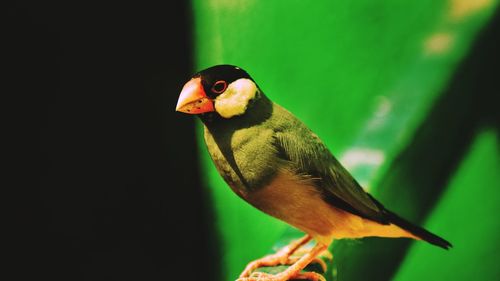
(234, 100)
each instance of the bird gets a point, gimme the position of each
(273, 161)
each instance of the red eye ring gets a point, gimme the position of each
(219, 87)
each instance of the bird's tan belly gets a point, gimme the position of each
(300, 204)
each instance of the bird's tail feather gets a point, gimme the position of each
(417, 231)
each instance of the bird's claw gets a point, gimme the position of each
(277, 259)
(289, 256)
(319, 261)
(269, 260)
(261, 276)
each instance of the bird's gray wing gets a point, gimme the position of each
(307, 155)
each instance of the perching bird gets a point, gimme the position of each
(277, 164)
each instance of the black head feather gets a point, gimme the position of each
(223, 72)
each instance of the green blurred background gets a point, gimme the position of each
(110, 183)
(403, 93)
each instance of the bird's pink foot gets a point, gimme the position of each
(292, 272)
(282, 257)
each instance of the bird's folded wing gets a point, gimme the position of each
(309, 157)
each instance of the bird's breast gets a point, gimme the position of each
(245, 158)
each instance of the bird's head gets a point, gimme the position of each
(226, 90)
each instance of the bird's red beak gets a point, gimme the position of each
(193, 99)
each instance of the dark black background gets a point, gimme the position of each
(109, 185)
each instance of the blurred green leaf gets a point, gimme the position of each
(364, 75)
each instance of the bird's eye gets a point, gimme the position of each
(219, 87)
